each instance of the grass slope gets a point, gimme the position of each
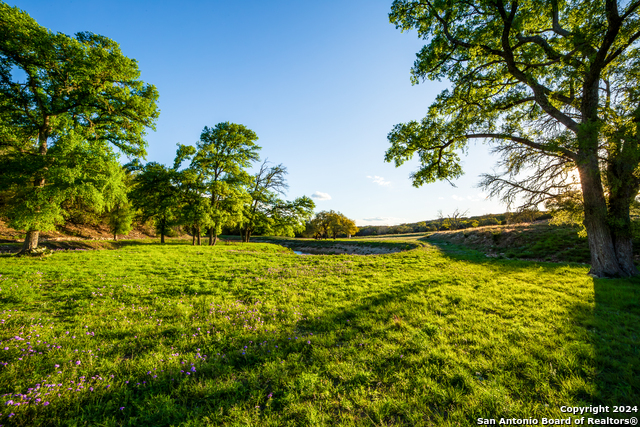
(538, 240)
(250, 334)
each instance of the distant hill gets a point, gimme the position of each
(455, 222)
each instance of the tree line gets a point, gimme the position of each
(208, 188)
(456, 221)
(70, 107)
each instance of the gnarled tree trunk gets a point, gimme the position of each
(30, 242)
(611, 253)
(623, 188)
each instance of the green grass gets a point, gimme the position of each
(424, 337)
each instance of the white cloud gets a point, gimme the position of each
(379, 180)
(458, 198)
(321, 196)
(440, 198)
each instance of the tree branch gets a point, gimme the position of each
(570, 155)
(538, 90)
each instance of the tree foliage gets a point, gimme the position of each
(330, 224)
(284, 217)
(264, 188)
(65, 104)
(121, 219)
(155, 194)
(195, 205)
(222, 155)
(553, 86)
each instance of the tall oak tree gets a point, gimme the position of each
(68, 107)
(553, 86)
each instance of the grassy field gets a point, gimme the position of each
(251, 334)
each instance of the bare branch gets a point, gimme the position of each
(541, 147)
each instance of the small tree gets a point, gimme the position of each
(286, 218)
(121, 219)
(155, 194)
(340, 224)
(327, 224)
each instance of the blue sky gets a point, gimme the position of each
(321, 83)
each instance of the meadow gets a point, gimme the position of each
(252, 334)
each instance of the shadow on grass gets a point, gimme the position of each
(615, 333)
(611, 324)
(223, 386)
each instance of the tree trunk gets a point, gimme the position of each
(198, 234)
(115, 236)
(624, 252)
(31, 239)
(193, 236)
(163, 226)
(213, 235)
(30, 242)
(604, 262)
(623, 188)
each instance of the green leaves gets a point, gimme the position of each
(520, 74)
(552, 85)
(327, 224)
(156, 195)
(226, 149)
(221, 156)
(68, 108)
(438, 157)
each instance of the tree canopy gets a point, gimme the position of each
(222, 154)
(68, 107)
(155, 194)
(326, 224)
(553, 86)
